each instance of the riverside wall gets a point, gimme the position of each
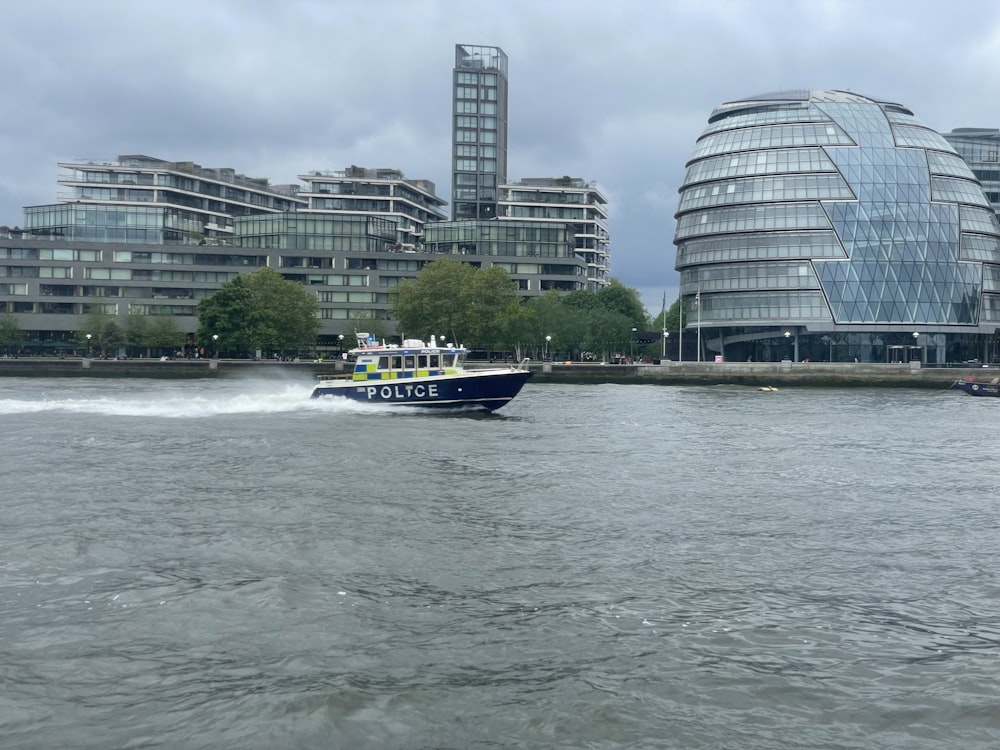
(769, 374)
(757, 374)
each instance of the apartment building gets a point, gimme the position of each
(569, 201)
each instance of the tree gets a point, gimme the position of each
(259, 310)
(164, 334)
(153, 332)
(616, 297)
(582, 299)
(673, 318)
(608, 332)
(11, 335)
(137, 331)
(106, 333)
(459, 301)
(112, 338)
(548, 315)
(491, 301)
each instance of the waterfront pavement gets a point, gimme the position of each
(755, 374)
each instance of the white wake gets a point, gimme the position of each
(185, 401)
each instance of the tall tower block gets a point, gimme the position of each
(479, 131)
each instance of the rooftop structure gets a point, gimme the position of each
(143, 199)
(565, 200)
(359, 191)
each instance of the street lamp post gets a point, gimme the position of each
(788, 335)
(548, 340)
(215, 344)
(89, 337)
(666, 335)
(916, 345)
(633, 345)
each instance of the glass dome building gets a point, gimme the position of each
(831, 226)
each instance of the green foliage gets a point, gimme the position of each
(482, 309)
(107, 335)
(112, 338)
(673, 318)
(11, 335)
(625, 301)
(260, 310)
(164, 334)
(93, 324)
(155, 332)
(608, 332)
(582, 299)
(137, 331)
(492, 303)
(453, 299)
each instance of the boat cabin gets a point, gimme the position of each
(413, 359)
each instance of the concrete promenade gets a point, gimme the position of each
(773, 374)
(757, 374)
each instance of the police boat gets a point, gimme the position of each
(417, 373)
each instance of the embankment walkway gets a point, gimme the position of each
(776, 374)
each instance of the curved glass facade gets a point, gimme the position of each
(835, 217)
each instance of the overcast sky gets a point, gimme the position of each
(615, 91)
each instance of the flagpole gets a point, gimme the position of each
(680, 329)
(697, 297)
(663, 325)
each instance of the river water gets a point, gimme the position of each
(229, 564)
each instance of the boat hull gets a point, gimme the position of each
(977, 389)
(476, 390)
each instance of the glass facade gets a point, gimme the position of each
(479, 131)
(980, 152)
(821, 213)
(316, 232)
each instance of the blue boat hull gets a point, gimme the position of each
(479, 391)
(977, 389)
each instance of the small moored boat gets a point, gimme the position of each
(976, 388)
(417, 373)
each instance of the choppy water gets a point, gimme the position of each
(223, 564)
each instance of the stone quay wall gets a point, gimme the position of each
(759, 374)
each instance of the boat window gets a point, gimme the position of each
(397, 362)
(435, 361)
(421, 361)
(448, 360)
(408, 361)
(383, 363)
